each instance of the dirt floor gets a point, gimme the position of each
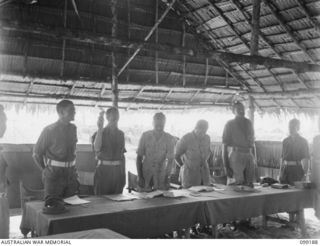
(276, 229)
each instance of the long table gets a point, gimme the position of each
(154, 217)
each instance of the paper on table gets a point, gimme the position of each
(121, 197)
(201, 188)
(148, 195)
(75, 200)
(175, 193)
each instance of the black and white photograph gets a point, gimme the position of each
(173, 120)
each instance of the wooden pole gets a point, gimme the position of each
(129, 34)
(254, 44)
(183, 43)
(147, 37)
(64, 41)
(156, 65)
(115, 92)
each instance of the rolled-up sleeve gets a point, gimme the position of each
(182, 146)
(142, 146)
(227, 135)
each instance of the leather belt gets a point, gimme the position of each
(61, 163)
(109, 163)
(292, 163)
(242, 150)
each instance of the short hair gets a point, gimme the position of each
(294, 123)
(202, 124)
(63, 104)
(112, 110)
(159, 116)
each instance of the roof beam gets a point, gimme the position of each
(288, 30)
(90, 38)
(147, 37)
(47, 80)
(247, 18)
(238, 35)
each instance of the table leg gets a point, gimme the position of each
(214, 231)
(187, 233)
(302, 223)
(264, 221)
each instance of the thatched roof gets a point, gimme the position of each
(48, 52)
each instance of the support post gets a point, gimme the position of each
(115, 92)
(156, 65)
(64, 40)
(254, 44)
(183, 42)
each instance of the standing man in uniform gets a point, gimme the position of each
(238, 134)
(295, 155)
(55, 154)
(192, 155)
(109, 146)
(295, 158)
(4, 205)
(155, 156)
(315, 172)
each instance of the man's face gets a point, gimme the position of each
(239, 110)
(68, 113)
(158, 124)
(3, 124)
(113, 118)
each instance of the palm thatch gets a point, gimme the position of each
(196, 56)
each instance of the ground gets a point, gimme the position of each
(274, 230)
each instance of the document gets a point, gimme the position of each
(175, 193)
(121, 197)
(201, 188)
(75, 200)
(148, 195)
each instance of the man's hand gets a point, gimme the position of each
(229, 172)
(100, 120)
(141, 182)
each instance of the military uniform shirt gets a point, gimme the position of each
(155, 152)
(238, 133)
(58, 142)
(113, 145)
(295, 148)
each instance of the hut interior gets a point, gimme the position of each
(159, 55)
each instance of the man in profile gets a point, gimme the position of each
(238, 134)
(192, 155)
(155, 156)
(55, 155)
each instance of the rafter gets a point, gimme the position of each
(164, 14)
(314, 23)
(247, 19)
(288, 29)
